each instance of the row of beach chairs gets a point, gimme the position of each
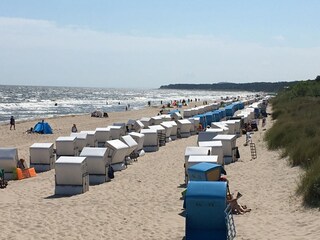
(208, 214)
(94, 153)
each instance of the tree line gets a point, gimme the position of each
(271, 87)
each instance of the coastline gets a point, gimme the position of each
(143, 201)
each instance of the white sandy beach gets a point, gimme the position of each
(143, 201)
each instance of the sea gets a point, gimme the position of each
(40, 102)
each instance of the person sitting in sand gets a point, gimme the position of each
(74, 128)
(20, 164)
(29, 130)
(235, 206)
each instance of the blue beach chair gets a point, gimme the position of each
(207, 214)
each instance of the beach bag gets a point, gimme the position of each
(110, 172)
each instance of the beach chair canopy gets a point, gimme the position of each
(205, 210)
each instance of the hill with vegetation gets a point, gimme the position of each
(296, 132)
(225, 86)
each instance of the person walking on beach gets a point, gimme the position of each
(12, 123)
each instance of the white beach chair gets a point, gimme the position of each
(208, 135)
(135, 125)
(139, 138)
(123, 129)
(103, 134)
(230, 151)
(81, 141)
(174, 130)
(151, 142)
(194, 125)
(66, 146)
(168, 128)
(71, 175)
(176, 116)
(146, 121)
(91, 138)
(8, 162)
(216, 149)
(97, 164)
(184, 127)
(117, 151)
(161, 134)
(116, 132)
(156, 120)
(42, 157)
(132, 154)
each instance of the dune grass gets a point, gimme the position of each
(296, 132)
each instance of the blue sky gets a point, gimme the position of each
(149, 43)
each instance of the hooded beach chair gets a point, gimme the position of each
(91, 138)
(205, 171)
(103, 134)
(161, 134)
(139, 138)
(174, 130)
(132, 154)
(66, 146)
(151, 142)
(71, 175)
(216, 149)
(168, 128)
(208, 135)
(81, 141)
(42, 157)
(116, 131)
(117, 151)
(208, 216)
(97, 164)
(8, 162)
(146, 121)
(184, 128)
(230, 151)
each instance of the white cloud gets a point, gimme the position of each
(279, 38)
(41, 52)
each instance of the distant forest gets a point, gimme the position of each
(251, 87)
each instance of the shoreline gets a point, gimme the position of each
(143, 201)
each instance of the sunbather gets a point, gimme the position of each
(20, 164)
(235, 206)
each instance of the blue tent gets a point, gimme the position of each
(42, 127)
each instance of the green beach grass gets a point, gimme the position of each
(296, 132)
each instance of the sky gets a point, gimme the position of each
(149, 43)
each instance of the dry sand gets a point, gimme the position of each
(143, 201)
